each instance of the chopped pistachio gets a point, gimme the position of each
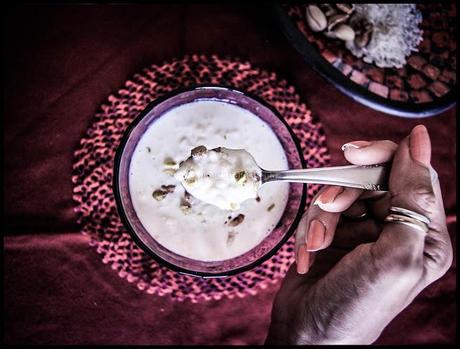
(185, 201)
(168, 188)
(230, 237)
(269, 208)
(190, 180)
(237, 220)
(241, 177)
(159, 194)
(189, 177)
(169, 162)
(201, 149)
(169, 171)
(185, 204)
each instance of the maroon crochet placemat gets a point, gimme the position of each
(429, 73)
(93, 170)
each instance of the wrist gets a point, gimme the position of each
(308, 332)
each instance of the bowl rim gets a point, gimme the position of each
(131, 230)
(348, 87)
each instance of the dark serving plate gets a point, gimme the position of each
(424, 87)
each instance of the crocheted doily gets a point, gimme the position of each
(93, 170)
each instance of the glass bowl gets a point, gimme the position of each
(271, 243)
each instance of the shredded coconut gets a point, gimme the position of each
(396, 33)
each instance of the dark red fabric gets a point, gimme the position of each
(61, 63)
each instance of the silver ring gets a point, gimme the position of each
(409, 213)
(409, 221)
(410, 218)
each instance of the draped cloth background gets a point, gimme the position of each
(61, 63)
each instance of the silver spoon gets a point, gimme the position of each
(231, 176)
(370, 177)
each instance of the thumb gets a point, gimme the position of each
(411, 188)
(410, 177)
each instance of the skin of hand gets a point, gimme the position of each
(353, 276)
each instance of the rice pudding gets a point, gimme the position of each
(177, 220)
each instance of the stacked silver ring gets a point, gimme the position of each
(409, 218)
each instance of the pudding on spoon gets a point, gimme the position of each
(222, 177)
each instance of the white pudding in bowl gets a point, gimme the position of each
(184, 224)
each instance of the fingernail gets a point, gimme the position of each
(420, 145)
(303, 259)
(356, 145)
(315, 235)
(329, 195)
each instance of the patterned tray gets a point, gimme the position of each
(425, 86)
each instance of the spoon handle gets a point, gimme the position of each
(371, 177)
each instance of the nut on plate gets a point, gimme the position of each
(363, 39)
(336, 19)
(327, 9)
(347, 8)
(315, 18)
(344, 32)
(330, 34)
(363, 30)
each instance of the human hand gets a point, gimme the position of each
(371, 269)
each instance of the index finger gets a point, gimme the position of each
(369, 152)
(357, 153)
